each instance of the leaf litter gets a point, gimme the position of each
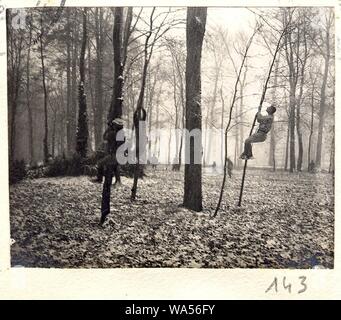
(286, 221)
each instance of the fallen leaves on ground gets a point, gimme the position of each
(286, 221)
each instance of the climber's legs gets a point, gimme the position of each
(256, 137)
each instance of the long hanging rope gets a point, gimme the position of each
(278, 47)
(230, 118)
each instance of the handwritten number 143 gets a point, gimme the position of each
(277, 285)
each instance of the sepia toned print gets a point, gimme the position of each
(171, 137)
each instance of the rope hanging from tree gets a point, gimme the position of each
(278, 47)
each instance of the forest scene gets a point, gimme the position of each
(171, 137)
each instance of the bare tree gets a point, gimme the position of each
(272, 151)
(154, 33)
(98, 107)
(327, 37)
(276, 51)
(195, 30)
(69, 127)
(115, 111)
(234, 98)
(15, 48)
(42, 59)
(28, 95)
(82, 128)
(312, 105)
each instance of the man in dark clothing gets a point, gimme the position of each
(265, 123)
(109, 161)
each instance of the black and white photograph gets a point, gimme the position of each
(171, 137)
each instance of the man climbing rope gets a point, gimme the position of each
(265, 123)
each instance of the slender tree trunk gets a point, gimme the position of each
(28, 100)
(176, 125)
(293, 76)
(311, 131)
(115, 110)
(300, 100)
(236, 145)
(169, 147)
(74, 60)
(287, 149)
(151, 108)
(212, 112)
(98, 109)
(14, 78)
(227, 161)
(292, 117)
(222, 126)
(140, 126)
(82, 128)
(205, 155)
(195, 29)
(332, 153)
(157, 142)
(322, 104)
(69, 128)
(117, 99)
(241, 112)
(53, 137)
(91, 119)
(272, 151)
(183, 105)
(299, 138)
(45, 140)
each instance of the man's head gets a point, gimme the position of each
(271, 110)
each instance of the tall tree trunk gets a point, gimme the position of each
(195, 30)
(212, 111)
(14, 75)
(205, 155)
(272, 151)
(332, 153)
(169, 147)
(311, 131)
(286, 160)
(241, 112)
(69, 128)
(176, 124)
(82, 128)
(183, 103)
(292, 158)
(157, 142)
(98, 110)
(74, 90)
(323, 101)
(46, 131)
(236, 145)
(150, 102)
(140, 134)
(222, 127)
(28, 100)
(300, 100)
(289, 52)
(181, 138)
(53, 137)
(115, 110)
(91, 116)
(299, 138)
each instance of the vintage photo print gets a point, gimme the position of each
(168, 144)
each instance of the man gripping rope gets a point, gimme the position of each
(265, 123)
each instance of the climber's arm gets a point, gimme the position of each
(260, 117)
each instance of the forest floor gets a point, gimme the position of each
(286, 221)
